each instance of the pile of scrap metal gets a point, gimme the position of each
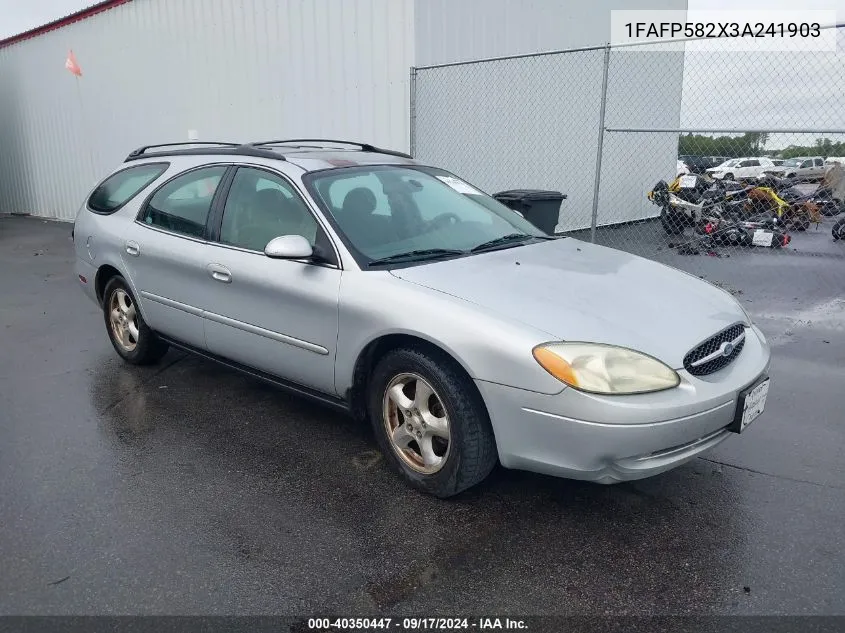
(732, 213)
(728, 214)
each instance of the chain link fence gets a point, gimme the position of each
(679, 153)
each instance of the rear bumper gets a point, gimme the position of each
(85, 270)
(611, 439)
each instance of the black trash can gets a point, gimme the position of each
(540, 207)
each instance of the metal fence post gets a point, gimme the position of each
(597, 181)
(412, 113)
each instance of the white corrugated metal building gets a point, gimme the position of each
(155, 70)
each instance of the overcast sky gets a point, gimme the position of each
(17, 16)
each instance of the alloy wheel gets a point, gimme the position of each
(124, 320)
(416, 423)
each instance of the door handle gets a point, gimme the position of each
(220, 273)
(132, 248)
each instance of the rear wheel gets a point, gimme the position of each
(830, 208)
(799, 220)
(673, 223)
(129, 334)
(430, 421)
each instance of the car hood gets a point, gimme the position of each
(577, 291)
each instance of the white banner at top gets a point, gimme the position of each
(736, 30)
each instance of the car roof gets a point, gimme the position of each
(308, 154)
(314, 160)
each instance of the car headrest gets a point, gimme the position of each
(359, 201)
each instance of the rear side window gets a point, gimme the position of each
(120, 188)
(182, 204)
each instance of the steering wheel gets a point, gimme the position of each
(444, 219)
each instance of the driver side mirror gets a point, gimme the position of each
(289, 247)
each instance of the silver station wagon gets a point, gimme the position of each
(403, 294)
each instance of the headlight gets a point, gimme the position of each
(606, 369)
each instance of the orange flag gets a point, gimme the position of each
(71, 65)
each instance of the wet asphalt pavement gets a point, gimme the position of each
(186, 488)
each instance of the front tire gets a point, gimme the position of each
(132, 339)
(430, 421)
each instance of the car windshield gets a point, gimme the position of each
(387, 212)
(793, 162)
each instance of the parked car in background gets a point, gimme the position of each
(800, 167)
(741, 168)
(832, 160)
(697, 164)
(326, 268)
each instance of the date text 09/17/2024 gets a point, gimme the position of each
(415, 624)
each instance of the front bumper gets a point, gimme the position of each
(608, 439)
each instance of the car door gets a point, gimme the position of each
(752, 168)
(165, 253)
(805, 170)
(276, 315)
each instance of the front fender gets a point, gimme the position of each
(377, 304)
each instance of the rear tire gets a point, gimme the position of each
(420, 393)
(830, 209)
(672, 223)
(799, 222)
(130, 336)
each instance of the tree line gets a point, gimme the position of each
(753, 144)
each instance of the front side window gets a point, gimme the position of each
(182, 205)
(384, 211)
(806, 163)
(262, 206)
(120, 188)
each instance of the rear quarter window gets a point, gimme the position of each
(121, 187)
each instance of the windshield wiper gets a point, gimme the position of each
(417, 256)
(510, 238)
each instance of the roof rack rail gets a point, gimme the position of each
(143, 149)
(192, 148)
(364, 147)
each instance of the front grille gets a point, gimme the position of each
(735, 334)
